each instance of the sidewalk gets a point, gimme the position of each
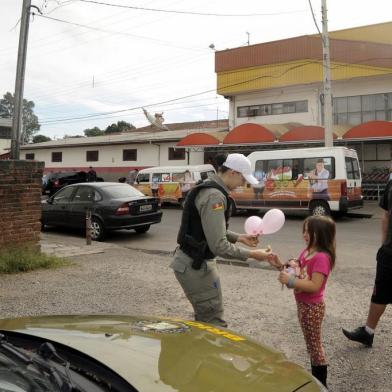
(68, 247)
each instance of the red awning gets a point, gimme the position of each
(249, 133)
(198, 139)
(376, 129)
(304, 132)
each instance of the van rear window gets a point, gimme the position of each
(352, 167)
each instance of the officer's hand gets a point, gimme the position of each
(261, 254)
(249, 239)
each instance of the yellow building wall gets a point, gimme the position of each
(289, 74)
(379, 33)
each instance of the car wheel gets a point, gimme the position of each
(97, 230)
(320, 208)
(142, 229)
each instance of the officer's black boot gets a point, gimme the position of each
(320, 372)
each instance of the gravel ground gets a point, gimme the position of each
(125, 281)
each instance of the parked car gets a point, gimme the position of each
(52, 182)
(113, 206)
(124, 353)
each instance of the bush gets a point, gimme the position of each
(23, 259)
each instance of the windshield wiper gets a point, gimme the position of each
(46, 352)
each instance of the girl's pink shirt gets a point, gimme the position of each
(321, 263)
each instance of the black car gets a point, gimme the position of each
(52, 182)
(113, 206)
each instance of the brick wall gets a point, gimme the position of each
(20, 202)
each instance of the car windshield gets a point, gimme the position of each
(122, 191)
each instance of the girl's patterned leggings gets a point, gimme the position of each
(310, 317)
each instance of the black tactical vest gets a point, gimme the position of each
(191, 236)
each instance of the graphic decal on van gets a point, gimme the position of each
(303, 178)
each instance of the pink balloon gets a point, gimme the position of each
(253, 225)
(273, 221)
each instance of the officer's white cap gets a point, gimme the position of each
(241, 164)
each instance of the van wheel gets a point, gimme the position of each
(319, 208)
(97, 230)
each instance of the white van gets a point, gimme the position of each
(170, 183)
(322, 180)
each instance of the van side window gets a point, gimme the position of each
(165, 177)
(161, 177)
(275, 169)
(178, 177)
(143, 177)
(310, 165)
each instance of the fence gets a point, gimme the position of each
(373, 191)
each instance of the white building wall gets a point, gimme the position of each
(289, 94)
(111, 156)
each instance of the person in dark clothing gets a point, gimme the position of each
(91, 175)
(382, 292)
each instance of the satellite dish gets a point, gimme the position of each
(156, 120)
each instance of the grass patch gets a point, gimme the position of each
(23, 259)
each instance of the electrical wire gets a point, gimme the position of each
(162, 42)
(190, 95)
(190, 12)
(97, 115)
(314, 18)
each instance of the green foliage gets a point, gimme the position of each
(93, 132)
(30, 120)
(121, 126)
(22, 259)
(41, 139)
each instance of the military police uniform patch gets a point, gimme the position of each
(217, 206)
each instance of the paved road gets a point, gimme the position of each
(357, 238)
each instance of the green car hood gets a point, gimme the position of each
(161, 354)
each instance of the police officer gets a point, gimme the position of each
(203, 235)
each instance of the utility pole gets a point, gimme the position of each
(248, 42)
(327, 101)
(19, 82)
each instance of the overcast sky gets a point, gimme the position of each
(128, 58)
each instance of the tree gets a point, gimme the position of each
(41, 139)
(93, 132)
(121, 126)
(30, 120)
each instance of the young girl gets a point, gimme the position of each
(308, 279)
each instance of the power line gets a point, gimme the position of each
(164, 43)
(139, 115)
(303, 64)
(187, 96)
(314, 18)
(191, 12)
